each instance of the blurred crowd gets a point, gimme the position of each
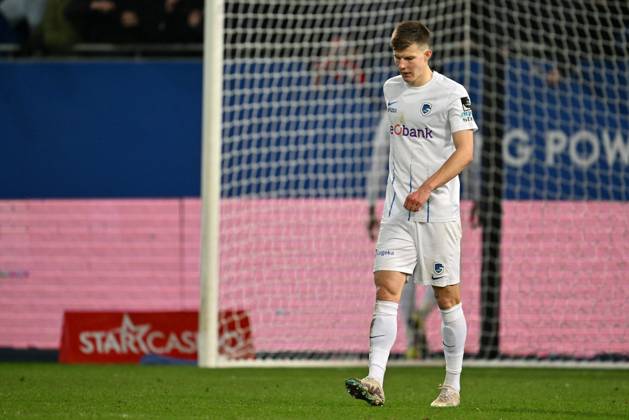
(59, 24)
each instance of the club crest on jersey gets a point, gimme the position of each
(426, 108)
(438, 268)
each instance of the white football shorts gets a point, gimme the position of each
(430, 253)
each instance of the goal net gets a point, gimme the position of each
(545, 277)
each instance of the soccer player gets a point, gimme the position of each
(431, 134)
(414, 319)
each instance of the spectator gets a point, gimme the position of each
(57, 32)
(19, 19)
(114, 21)
(183, 21)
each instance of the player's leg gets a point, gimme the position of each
(396, 257)
(382, 333)
(389, 285)
(441, 255)
(453, 333)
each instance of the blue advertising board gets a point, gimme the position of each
(133, 129)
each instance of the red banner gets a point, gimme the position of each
(127, 337)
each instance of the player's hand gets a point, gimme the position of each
(373, 226)
(474, 216)
(416, 200)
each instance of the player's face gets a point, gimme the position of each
(412, 63)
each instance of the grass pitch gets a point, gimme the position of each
(48, 391)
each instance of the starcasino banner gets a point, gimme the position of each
(132, 337)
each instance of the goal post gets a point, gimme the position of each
(292, 100)
(211, 183)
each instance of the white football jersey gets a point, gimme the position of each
(421, 122)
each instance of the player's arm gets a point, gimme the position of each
(462, 156)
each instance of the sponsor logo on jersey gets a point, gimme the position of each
(390, 108)
(417, 133)
(384, 252)
(426, 108)
(466, 116)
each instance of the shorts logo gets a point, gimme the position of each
(438, 269)
(426, 108)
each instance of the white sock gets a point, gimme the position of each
(381, 337)
(453, 333)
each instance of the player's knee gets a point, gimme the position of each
(382, 293)
(446, 297)
(389, 286)
(386, 291)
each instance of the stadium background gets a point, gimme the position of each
(100, 210)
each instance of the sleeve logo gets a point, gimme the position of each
(466, 114)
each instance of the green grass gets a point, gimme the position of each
(41, 390)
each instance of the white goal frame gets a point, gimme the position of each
(211, 182)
